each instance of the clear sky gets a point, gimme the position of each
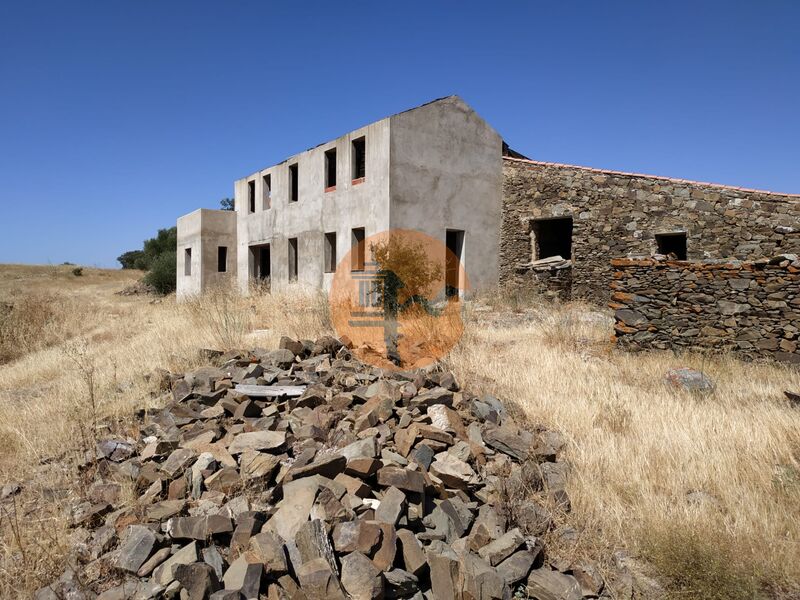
(116, 117)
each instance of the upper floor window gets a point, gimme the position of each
(251, 196)
(267, 191)
(293, 187)
(330, 170)
(359, 159)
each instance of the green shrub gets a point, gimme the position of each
(77, 271)
(162, 273)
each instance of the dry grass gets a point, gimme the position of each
(96, 370)
(636, 447)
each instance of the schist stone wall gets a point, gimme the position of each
(751, 308)
(617, 215)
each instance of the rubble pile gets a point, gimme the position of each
(301, 473)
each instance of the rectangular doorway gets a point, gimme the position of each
(454, 240)
(262, 263)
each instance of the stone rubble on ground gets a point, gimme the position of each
(368, 484)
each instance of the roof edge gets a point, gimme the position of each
(659, 177)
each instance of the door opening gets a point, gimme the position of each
(262, 263)
(454, 240)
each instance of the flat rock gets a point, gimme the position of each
(545, 584)
(503, 547)
(403, 479)
(164, 573)
(361, 579)
(136, 548)
(257, 440)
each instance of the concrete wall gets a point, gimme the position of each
(750, 308)
(445, 166)
(365, 204)
(618, 214)
(204, 231)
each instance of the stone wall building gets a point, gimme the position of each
(520, 223)
(591, 216)
(751, 308)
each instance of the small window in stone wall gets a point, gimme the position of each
(187, 262)
(552, 237)
(672, 243)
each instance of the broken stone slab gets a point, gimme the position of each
(357, 536)
(244, 576)
(312, 542)
(503, 547)
(164, 573)
(588, 577)
(454, 473)
(295, 508)
(199, 528)
(507, 441)
(404, 479)
(177, 462)
(386, 551)
(413, 555)
(329, 466)
(545, 584)
(517, 566)
(136, 548)
(400, 583)
(366, 448)
(270, 391)
(257, 440)
(268, 549)
(361, 579)
(391, 507)
(115, 450)
(318, 581)
(198, 580)
(482, 581)
(151, 563)
(445, 572)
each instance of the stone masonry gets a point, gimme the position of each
(618, 215)
(750, 308)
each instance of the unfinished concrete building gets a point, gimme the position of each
(442, 170)
(434, 169)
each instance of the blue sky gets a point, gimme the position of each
(118, 117)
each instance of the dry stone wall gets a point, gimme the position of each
(751, 308)
(618, 215)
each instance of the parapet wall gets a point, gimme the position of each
(751, 308)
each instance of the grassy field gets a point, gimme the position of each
(74, 353)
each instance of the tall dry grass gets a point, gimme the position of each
(56, 400)
(638, 449)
